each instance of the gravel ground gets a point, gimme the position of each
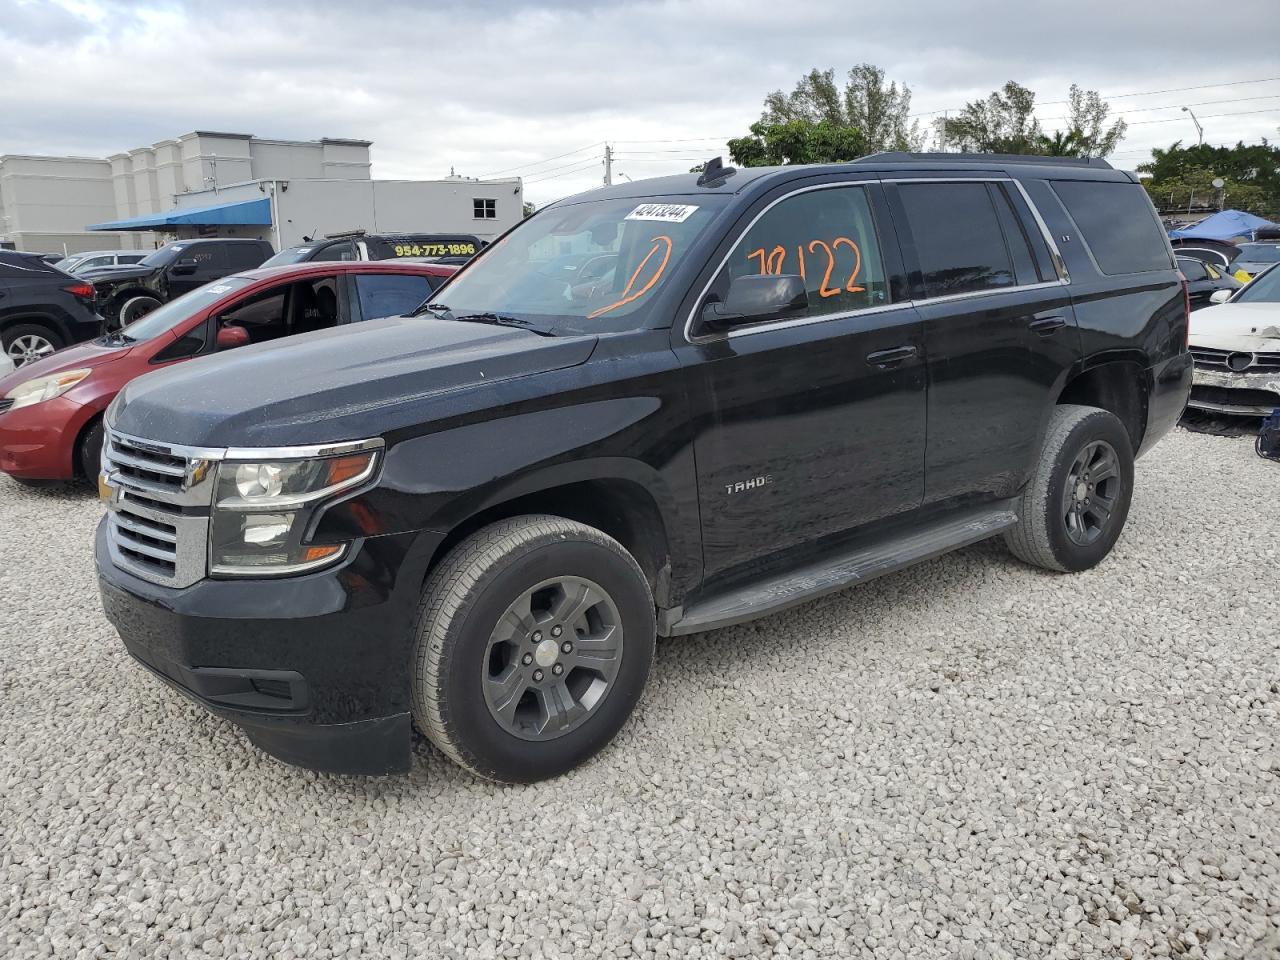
(970, 759)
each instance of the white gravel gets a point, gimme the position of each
(971, 759)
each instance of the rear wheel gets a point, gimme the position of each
(135, 308)
(1074, 507)
(28, 342)
(534, 641)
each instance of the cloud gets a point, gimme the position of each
(491, 85)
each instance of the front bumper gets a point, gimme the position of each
(315, 669)
(1245, 394)
(38, 442)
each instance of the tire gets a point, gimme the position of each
(1073, 509)
(135, 308)
(467, 640)
(28, 342)
(91, 452)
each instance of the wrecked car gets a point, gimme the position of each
(1236, 349)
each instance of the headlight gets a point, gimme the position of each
(44, 388)
(263, 509)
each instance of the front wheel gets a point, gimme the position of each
(533, 645)
(1073, 508)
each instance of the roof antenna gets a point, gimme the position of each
(715, 173)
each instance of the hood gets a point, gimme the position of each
(101, 276)
(82, 355)
(1238, 326)
(352, 382)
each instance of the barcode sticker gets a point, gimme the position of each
(666, 212)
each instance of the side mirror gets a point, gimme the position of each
(184, 268)
(754, 298)
(1221, 296)
(231, 336)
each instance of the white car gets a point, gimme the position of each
(1236, 348)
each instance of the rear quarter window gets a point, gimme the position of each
(1117, 223)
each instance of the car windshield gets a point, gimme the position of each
(1260, 252)
(66, 263)
(289, 255)
(164, 318)
(589, 267)
(1264, 288)
(164, 256)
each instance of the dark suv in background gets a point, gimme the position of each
(126, 293)
(792, 380)
(447, 248)
(41, 308)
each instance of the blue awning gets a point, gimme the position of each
(1222, 226)
(241, 213)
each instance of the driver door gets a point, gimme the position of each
(810, 426)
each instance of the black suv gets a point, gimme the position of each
(41, 308)
(126, 293)
(447, 248)
(789, 380)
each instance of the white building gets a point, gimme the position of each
(230, 184)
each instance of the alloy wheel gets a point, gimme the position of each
(28, 348)
(1093, 487)
(552, 658)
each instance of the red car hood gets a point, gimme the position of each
(71, 358)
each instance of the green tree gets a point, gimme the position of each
(1251, 173)
(880, 111)
(1004, 122)
(797, 141)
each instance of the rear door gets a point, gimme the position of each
(809, 426)
(999, 329)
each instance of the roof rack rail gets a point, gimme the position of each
(901, 156)
(343, 234)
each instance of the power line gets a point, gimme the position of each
(535, 163)
(569, 170)
(1207, 116)
(1120, 96)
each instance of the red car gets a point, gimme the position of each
(51, 410)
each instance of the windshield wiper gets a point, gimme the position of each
(496, 319)
(502, 320)
(116, 339)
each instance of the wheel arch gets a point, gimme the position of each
(638, 514)
(1118, 386)
(48, 318)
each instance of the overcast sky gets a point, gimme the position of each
(489, 86)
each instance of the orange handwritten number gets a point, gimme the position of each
(852, 287)
(627, 295)
(823, 290)
(759, 253)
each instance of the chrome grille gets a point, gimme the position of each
(5, 404)
(1212, 358)
(160, 499)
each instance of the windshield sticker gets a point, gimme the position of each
(665, 212)
(659, 242)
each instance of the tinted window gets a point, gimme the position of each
(129, 257)
(243, 256)
(828, 237)
(1260, 252)
(1192, 269)
(958, 237)
(1015, 237)
(390, 294)
(337, 251)
(205, 257)
(1117, 223)
(1264, 288)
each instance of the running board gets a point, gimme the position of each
(840, 570)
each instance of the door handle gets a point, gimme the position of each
(892, 356)
(1047, 325)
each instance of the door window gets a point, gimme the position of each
(1192, 269)
(390, 294)
(244, 256)
(957, 237)
(828, 238)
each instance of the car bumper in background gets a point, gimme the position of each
(38, 442)
(315, 674)
(1246, 394)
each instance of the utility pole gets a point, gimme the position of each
(608, 165)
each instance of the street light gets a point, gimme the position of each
(1199, 129)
